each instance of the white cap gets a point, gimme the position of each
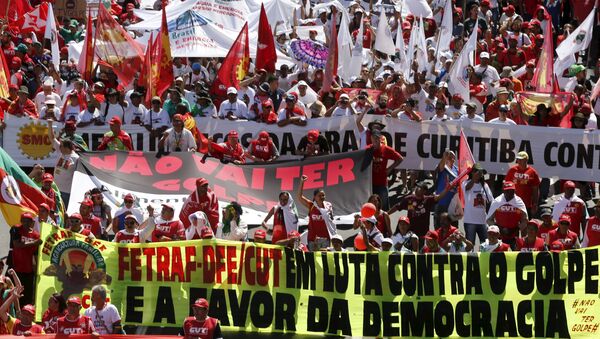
(50, 102)
(231, 90)
(344, 96)
(443, 84)
(371, 219)
(179, 79)
(388, 240)
(302, 83)
(338, 237)
(484, 55)
(48, 82)
(494, 229)
(131, 216)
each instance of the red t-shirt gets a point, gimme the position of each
(50, 318)
(502, 248)
(22, 257)
(443, 234)
(261, 151)
(82, 325)
(124, 237)
(508, 217)
(20, 329)
(207, 203)
(576, 211)
(524, 246)
(317, 228)
(366, 37)
(381, 156)
(543, 231)
(512, 58)
(592, 231)
(195, 329)
(92, 223)
(171, 229)
(418, 211)
(525, 180)
(568, 240)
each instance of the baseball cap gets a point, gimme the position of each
(115, 121)
(196, 66)
(508, 185)
(557, 246)
(74, 300)
(201, 182)
(128, 197)
(27, 215)
(404, 219)
(44, 205)
(344, 97)
(522, 155)
(201, 302)
(504, 108)
(178, 117)
(206, 233)
(29, 309)
(387, 240)
(290, 97)
(484, 55)
(293, 234)
(337, 237)
(260, 234)
(569, 184)
(47, 177)
(564, 218)
(231, 90)
(546, 211)
(432, 235)
(264, 87)
(312, 135)
(167, 205)
(493, 229)
(76, 216)
(131, 216)
(534, 222)
(87, 202)
(302, 83)
(370, 219)
(264, 135)
(457, 97)
(471, 105)
(232, 134)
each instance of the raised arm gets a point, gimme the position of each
(304, 200)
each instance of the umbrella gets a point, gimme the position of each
(310, 52)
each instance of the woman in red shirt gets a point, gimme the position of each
(57, 307)
(320, 218)
(531, 242)
(383, 218)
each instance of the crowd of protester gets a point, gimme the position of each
(501, 213)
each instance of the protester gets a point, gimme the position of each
(563, 234)
(446, 172)
(527, 182)
(24, 243)
(285, 218)
(104, 315)
(117, 139)
(73, 322)
(404, 239)
(509, 213)
(57, 308)
(493, 243)
(203, 199)
(592, 229)
(313, 144)
(127, 208)
(381, 155)
(200, 325)
(166, 227)
(478, 198)
(320, 217)
(262, 149)
(199, 226)
(229, 151)
(431, 243)
(531, 242)
(66, 164)
(232, 226)
(573, 206)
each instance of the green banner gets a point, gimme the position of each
(270, 288)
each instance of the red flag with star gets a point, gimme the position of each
(86, 66)
(33, 21)
(14, 9)
(266, 57)
(164, 61)
(543, 78)
(234, 66)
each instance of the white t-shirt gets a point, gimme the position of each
(86, 115)
(104, 319)
(72, 112)
(508, 121)
(341, 112)
(401, 239)
(132, 112)
(475, 199)
(475, 118)
(64, 170)
(181, 71)
(114, 110)
(157, 119)
(56, 113)
(40, 100)
(455, 113)
(238, 108)
(184, 140)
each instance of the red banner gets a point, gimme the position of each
(266, 57)
(234, 66)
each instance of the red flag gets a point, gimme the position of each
(116, 48)
(332, 58)
(4, 77)
(234, 66)
(465, 164)
(33, 21)
(164, 61)
(543, 78)
(14, 9)
(266, 57)
(147, 75)
(86, 66)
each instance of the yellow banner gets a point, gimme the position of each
(273, 289)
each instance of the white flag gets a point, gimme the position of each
(384, 42)
(344, 48)
(418, 8)
(51, 34)
(579, 39)
(412, 41)
(446, 29)
(401, 50)
(422, 48)
(357, 53)
(459, 81)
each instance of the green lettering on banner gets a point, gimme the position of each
(255, 287)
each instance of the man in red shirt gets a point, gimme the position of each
(381, 154)
(24, 326)
(74, 225)
(568, 238)
(23, 106)
(230, 151)
(262, 149)
(166, 227)
(24, 243)
(117, 139)
(592, 229)
(527, 182)
(513, 56)
(201, 326)
(531, 242)
(509, 213)
(73, 322)
(202, 199)
(445, 230)
(547, 224)
(572, 205)
(88, 220)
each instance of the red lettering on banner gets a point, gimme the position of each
(340, 169)
(190, 184)
(262, 267)
(168, 165)
(313, 172)
(123, 252)
(138, 165)
(287, 176)
(244, 200)
(276, 256)
(162, 264)
(136, 264)
(149, 253)
(105, 163)
(167, 185)
(219, 263)
(221, 193)
(234, 174)
(190, 259)
(248, 265)
(208, 264)
(231, 265)
(258, 178)
(207, 167)
(177, 265)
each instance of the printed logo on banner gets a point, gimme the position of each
(78, 265)
(33, 140)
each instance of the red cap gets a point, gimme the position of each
(557, 246)
(534, 222)
(28, 308)
(201, 182)
(115, 120)
(457, 97)
(509, 9)
(15, 62)
(485, 3)
(293, 234)
(513, 38)
(70, 124)
(508, 185)
(47, 177)
(458, 11)
(232, 133)
(178, 117)
(433, 235)
(27, 215)
(267, 103)
(130, 6)
(203, 303)
(534, 22)
(406, 25)
(569, 184)
(264, 135)
(260, 234)
(129, 197)
(64, 50)
(76, 216)
(87, 202)
(206, 233)
(44, 205)
(74, 300)
(525, 25)
(564, 218)
(13, 86)
(405, 219)
(312, 135)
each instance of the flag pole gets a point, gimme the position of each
(589, 50)
(6, 14)
(439, 33)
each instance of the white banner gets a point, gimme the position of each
(554, 152)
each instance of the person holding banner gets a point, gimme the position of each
(592, 229)
(508, 211)
(73, 322)
(431, 243)
(57, 307)
(563, 234)
(531, 242)
(493, 242)
(199, 226)
(320, 217)
(262, 149)
(200, 325)
(178, 138)
(132, 234)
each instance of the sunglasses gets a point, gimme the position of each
(130, 222)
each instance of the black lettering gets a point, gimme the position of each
(328, 280)
(285, 310)
(164, 306)
(566, 154)
(462, 329)
(357, 259)
(372, 277)
(349, 143)
(394, 284)
(371, 319)
(540, 312)
(585, 154)
(494, 150)
(421, 145)
(505, 321)
(340, 320)
(317, 314)
(560, 284)
(482, 146)
(218, 306)
(548, 153)
(444, 318)
(523, 309)
(543, 272)
(290, 271)
(135, 300)
(333, 138)
(341, 280)
(497, 272)
(261, 300)
(306, 275)
(456, 272)
(507, 147)
(557, 319)
(390, 317)
(481, 319)
(287, 144)
(591, 271)
(417, 323)
(473, 281)
(239, 308)
(399, 142)
(525, 283)
(441, 261)
(438, 145)
(425, 274)
(409, 279)
(575, 269)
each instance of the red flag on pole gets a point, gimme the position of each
(543, 78)
(266, 57)
(165, 62)
(234, 66)
(332, 58)
(12, 10)
(147, 75)
(465, 165)
(33, 21)
(86, 66)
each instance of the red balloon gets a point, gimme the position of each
(368, 210)
(359, 243)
